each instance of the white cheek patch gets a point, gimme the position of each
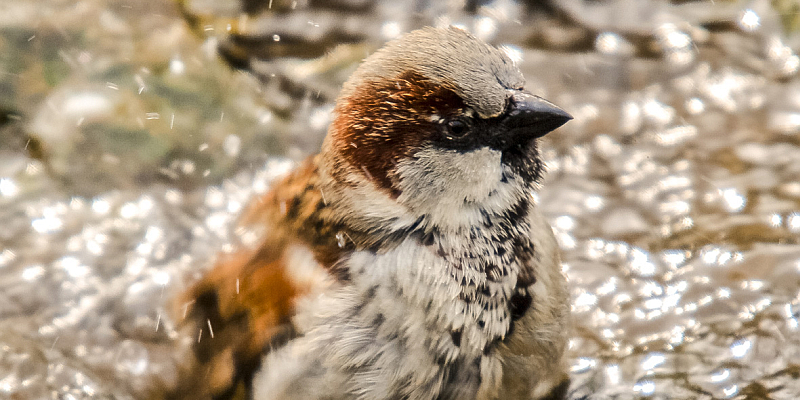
(454, 188)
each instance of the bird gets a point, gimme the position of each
(408, 259)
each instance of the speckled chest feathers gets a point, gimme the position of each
(438, 305)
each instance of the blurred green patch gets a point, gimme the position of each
(790, 14)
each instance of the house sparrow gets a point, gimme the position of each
(407, 260)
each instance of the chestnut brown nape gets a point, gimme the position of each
(377, 125)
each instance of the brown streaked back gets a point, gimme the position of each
(244, 305)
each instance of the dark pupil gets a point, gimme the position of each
(457, 127)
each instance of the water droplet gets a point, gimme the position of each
(340, 240)
(749, 21)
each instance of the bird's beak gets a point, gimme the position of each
(529, 117)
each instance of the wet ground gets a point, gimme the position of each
(133, 133)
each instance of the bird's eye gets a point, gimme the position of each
(457, 127)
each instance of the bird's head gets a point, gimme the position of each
(439, 122)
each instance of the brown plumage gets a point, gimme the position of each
(245, 303)
(378, 127)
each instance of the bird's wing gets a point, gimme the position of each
(244, 305)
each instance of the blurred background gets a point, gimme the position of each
(132, 133)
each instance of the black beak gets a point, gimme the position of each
(529, 117)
